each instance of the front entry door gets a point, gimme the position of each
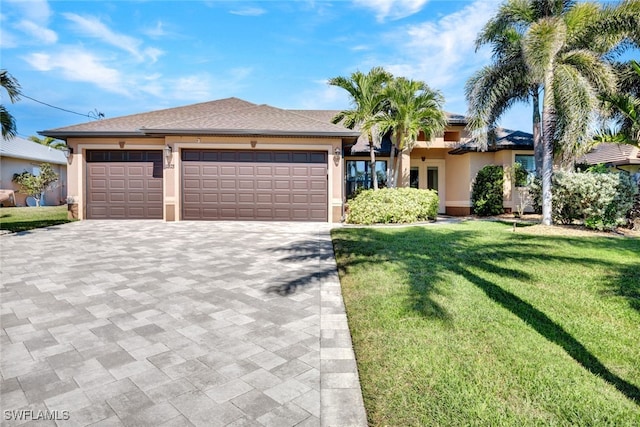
(429, 174)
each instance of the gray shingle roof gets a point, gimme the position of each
(230, 116)
(506, 139)
(612, 154)
(20, 148)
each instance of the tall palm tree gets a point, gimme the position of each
(367, 98)
(12, 87)
(557, 47)
(413, 107)
(572, 77)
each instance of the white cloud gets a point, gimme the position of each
(93, 27)
(39, 33)
(393, 9)
(325, 97)
(32, 10)
(76, 64)
(442, 53)
(248, 11)
(157, 31)
(31, 18)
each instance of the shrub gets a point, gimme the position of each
(486, 194)
(393, 206)
(599, 200)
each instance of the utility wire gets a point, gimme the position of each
(95, 115)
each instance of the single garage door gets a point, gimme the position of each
(254, 185)
(124, 184)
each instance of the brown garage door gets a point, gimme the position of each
(124, 184)
(254, 185)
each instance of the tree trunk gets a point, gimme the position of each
(374, 175)
(547, 146)
(538, 148)
(391, 167)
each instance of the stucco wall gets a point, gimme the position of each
(53, 197)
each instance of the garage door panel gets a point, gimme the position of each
(246, 198)
(191, 170)
(318, 185)
(117, 197)
(123, 189)
(250, 185)
(209, 171)
(246, 184)
(136, 183)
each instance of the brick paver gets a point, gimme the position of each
(146, 323)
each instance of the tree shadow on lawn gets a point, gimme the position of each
(429, 255)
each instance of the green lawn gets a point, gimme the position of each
(22, 219)
(472, 324)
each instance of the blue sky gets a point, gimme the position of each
(126, 57)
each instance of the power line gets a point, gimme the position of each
(95, 115)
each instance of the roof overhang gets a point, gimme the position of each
(490, 149)
(223, 132)
(85, 134)
(250, 132)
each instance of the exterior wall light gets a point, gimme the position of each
(67, 151)
(168, 151)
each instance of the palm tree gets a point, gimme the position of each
(48, 141)
(367, 98)
(557, 45)
(11, 85)
(413, 107)
(624, 107)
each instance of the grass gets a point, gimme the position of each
(23, 219)
(472, 324)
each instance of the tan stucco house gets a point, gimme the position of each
(232, 159)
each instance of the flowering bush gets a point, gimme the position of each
(393, 206)
(599, 200)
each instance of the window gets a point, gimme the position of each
(451, 136)
(528, 164)
(414, 177)
(359, 174)
(432, 178)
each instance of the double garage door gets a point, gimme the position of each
(254, 185)
(216, 185)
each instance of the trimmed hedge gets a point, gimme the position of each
(393, 206)
(487, 191)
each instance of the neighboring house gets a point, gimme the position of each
(616, 156)
(232, 159)
(18, 155)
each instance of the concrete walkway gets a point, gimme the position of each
(145, 323)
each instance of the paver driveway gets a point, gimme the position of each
(188, 323)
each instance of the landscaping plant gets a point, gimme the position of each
(393, 206)
(486, 195)
(598, 200)
(35, 185)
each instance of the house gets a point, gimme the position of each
(18, 155)
(232, 159)
(616, 156)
